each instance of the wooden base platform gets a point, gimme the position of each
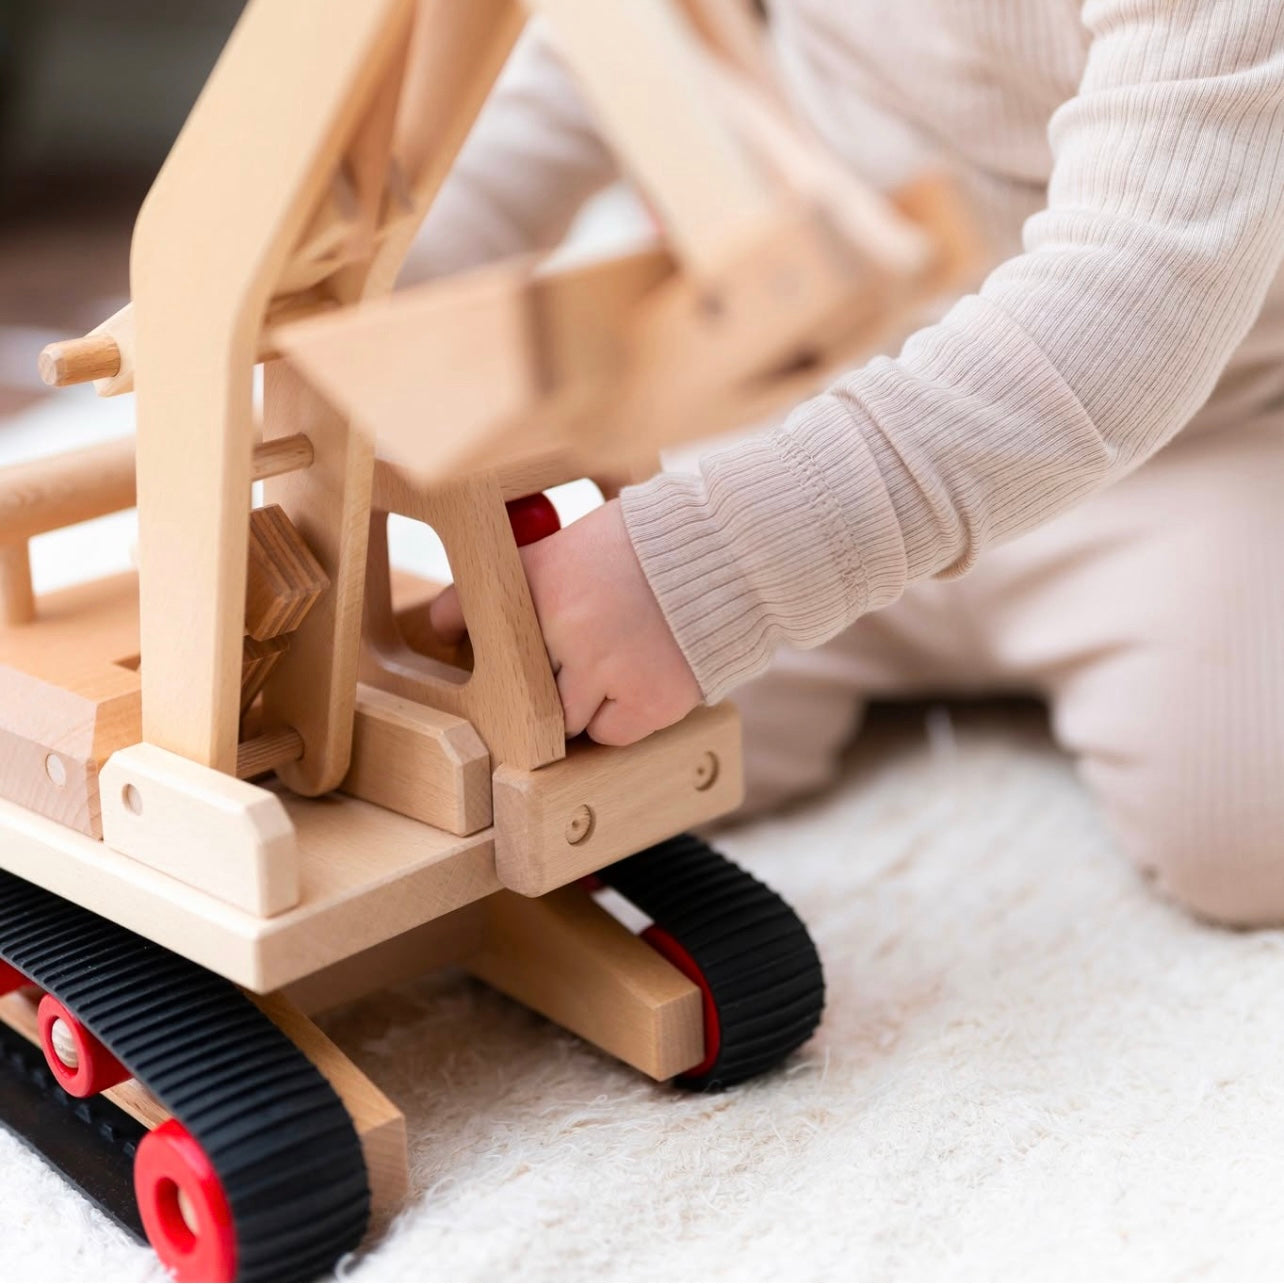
(367, 874)
(373, 888)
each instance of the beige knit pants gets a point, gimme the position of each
(1151, 618)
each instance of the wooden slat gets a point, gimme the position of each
(283, 581)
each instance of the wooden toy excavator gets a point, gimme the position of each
(248, 782)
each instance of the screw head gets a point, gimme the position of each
(706, 770)
(580, 825)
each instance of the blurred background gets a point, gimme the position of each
(91, 96)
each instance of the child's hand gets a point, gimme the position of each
(619, 671)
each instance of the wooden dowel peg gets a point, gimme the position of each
(268, 752)
(71, 361)
(45, 494)
(17, 601)
(41, 495)
(281, 455)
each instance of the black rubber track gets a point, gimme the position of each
(271, 1126)
(757, 957)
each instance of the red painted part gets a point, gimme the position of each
(533, 518)
(672, 949)
(194, 1237)
(591, 883)
(96, 1069)
(10, 978)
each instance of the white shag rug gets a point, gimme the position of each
(1030, 1069)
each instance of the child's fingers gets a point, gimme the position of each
(617, 724)
(446, 615)
(579, 702)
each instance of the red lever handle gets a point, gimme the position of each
(532, 517)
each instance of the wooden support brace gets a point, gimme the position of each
(639, 65)
(379, 1124)
(570, 960)
(601, 803)
(441, 942)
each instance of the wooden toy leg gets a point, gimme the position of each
(571, 961)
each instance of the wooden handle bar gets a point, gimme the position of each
(45, 494)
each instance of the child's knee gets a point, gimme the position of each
(796, 723)
(1221, 859)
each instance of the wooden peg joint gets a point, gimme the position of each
(282, 455)
(268, 752)
(71, 361)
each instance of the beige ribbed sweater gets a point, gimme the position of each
(1127, 160)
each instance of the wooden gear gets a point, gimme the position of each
(254, 752)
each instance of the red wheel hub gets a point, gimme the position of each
(672, 949)
(82, 1066)
(184, 1210)
(532, 518)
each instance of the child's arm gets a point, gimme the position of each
(1076, 361)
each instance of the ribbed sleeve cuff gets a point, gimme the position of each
(787, 538)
